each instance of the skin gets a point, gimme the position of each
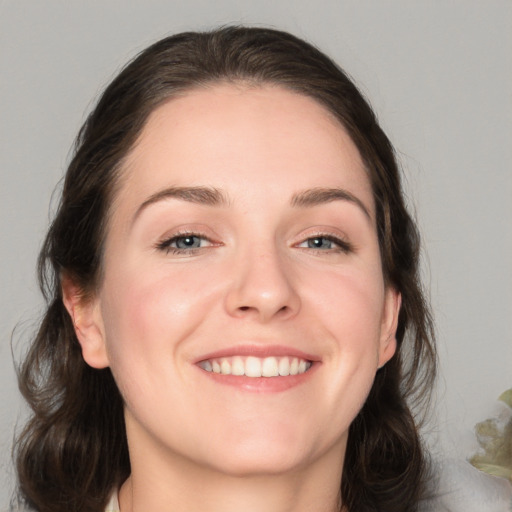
(255, 279)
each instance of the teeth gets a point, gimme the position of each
(225, 367)
(270, 368)
(284, 366)
(257, 367)
(237, 366)
(252, 367)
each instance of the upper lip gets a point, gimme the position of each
(258, 351)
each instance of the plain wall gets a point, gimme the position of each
(439, 75)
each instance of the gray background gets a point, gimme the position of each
(439, 74)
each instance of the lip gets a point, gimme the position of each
(259, 351)
(260, 384)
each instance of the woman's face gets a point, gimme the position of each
(242, 241)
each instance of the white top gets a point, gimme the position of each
(113, 504)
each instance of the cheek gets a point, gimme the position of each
(351, 309)
(151, 310)
(145, 320)
(351, 304)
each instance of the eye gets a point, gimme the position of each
(319, 242)
(184, 243)
(326, 243)
(187, 242)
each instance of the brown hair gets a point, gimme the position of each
(73, 452)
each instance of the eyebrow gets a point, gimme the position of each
(208, 196)
(318, 196)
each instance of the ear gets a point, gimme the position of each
(88, 323)
(392, 303)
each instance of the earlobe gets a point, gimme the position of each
(391, 311)
(87, 321)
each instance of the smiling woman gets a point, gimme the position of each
(232, 283)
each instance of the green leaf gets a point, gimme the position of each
(494, 470)
(506, 397)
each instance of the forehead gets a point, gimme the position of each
(243, 138)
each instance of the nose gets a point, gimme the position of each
(263, 287)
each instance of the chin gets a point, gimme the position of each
(260, 464)
(271, 454)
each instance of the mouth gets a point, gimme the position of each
(256, 367)
(259, 368)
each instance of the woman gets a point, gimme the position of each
(232, 286)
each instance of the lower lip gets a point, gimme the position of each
(262, 384)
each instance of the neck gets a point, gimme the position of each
(185, 487)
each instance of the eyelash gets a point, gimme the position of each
(342, 246)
